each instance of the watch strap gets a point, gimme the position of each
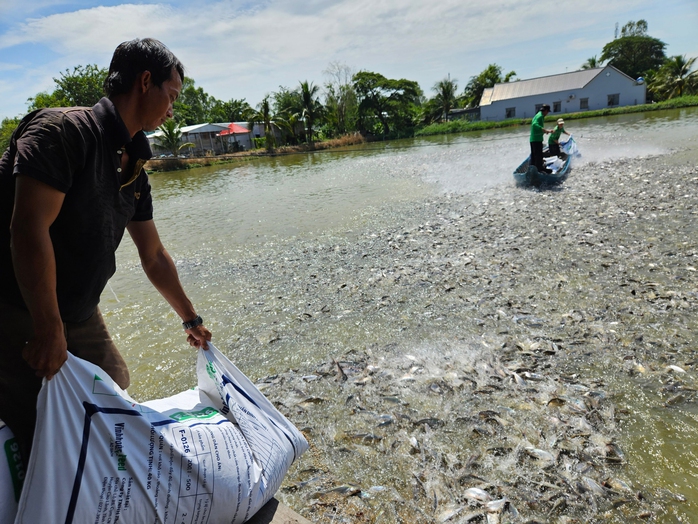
(193, 323)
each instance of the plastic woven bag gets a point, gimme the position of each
(11, 475)
(214, 454)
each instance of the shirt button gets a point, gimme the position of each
(118, 170)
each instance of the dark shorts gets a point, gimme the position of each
(19, 386)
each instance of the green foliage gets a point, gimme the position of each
(7, 127)
(263, 115)
(675, 78)
(312, 108)
(81, 87)
(438, 107)
(592, 63)
(386, 106)
(632, 28)
(635, 53)
(231, 111)
(490, 76)
(341, 104)
(193, 105)
(171, 139)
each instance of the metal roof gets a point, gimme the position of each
(196, 128)
(539, 86)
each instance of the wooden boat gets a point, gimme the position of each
(528, 175)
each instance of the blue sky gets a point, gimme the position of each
(243, 49)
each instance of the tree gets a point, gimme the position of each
(592, 63)
(231, 111)
(171, 139)
(312, 108)
(634, 53)
(341, 105)
(193, 105)
(288, 110)
(391, 104)
(83, 87)
(263, 115)
(7, 127)
(676, 78)
(446, 98)
(487, 78)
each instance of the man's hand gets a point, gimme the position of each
(198, 337)
(46, 353)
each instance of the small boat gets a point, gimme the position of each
(528, 175)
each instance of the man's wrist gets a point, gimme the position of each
(198, 321)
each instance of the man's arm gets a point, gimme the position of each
(36, 207)
(161, 271)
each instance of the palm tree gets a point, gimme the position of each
(446, 97)
(263, 114)
(675, 77)
(592, 63)
(172, 137)
(312, 108)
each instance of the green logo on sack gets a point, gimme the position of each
(15, 465)
(187, 415)
(211, 370)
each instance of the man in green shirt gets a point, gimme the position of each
(554, 140)
(537, 132)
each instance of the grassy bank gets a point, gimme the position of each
(460, 126)
(174, 164)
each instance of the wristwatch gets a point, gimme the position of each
(193, 323)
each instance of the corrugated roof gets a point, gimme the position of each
(487, 96)
(540, 86)
(200, 128)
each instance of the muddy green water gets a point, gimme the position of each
(213, 220)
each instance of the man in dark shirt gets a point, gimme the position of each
(71, 182)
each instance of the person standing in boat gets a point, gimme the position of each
(536, 139)
(554, 139)
(72, 181)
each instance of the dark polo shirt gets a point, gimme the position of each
(77, 151)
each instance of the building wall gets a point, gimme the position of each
(608, 82)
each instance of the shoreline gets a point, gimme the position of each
(454, 126)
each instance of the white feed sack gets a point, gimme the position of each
(11, 474)
(214, 454)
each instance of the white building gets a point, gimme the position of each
(584, 90)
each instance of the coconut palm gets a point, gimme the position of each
(676, 78)
(171, 139)
(446, 98)
(264, 115)
(592, 63)
(312, 108)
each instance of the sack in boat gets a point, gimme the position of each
(216, 453)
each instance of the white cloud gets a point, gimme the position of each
(241, 49)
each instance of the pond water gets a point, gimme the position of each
(212, 220)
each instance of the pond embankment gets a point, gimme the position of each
(511, 329)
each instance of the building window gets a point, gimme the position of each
(614, 100)
(510, 112)
(583, 103)
(538, 106)
(557, 107)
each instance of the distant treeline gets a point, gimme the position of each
(371, 104)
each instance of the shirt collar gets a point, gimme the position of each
(116, 131)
